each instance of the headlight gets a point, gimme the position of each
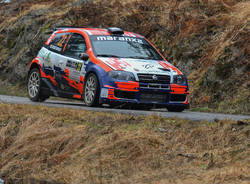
(179, 79)
(121, 75)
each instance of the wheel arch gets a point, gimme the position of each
(98, 71)
(86, 76)
(32, 66)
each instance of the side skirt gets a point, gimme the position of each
(48, 88)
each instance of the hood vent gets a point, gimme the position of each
(165, 69)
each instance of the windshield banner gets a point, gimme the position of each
(118, 38)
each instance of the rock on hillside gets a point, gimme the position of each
(208, 40)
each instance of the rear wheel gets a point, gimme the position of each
(91, 91)
(175, 108)
(34, 86)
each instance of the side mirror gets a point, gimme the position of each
(84, 56)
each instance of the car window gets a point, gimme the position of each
(58, 42)
(75, 46)
(129, 47)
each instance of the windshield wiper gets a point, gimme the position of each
(107, 55)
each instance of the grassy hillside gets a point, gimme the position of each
(48, 145)
(207, 39)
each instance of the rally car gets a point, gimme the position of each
(106, 66)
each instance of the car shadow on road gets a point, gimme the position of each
(106, 106)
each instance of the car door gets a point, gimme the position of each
(75, 67)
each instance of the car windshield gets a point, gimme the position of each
(123, 47)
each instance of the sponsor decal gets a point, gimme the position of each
(79, 66)
(48, 57)
(116, 63)
(120, 38)
(75, 65)
(148, 66)
(44, 54)
(55, 48)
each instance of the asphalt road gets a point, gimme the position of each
(196, 116)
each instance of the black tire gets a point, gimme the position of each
(175, 108)
(34, 86)
(91, 91)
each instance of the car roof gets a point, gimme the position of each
(98, 31)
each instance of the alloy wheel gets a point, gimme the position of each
(34, 84)
(90, 89)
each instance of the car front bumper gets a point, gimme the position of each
(148, 94)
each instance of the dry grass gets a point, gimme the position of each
(74, 146)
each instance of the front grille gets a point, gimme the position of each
(154, 78)
(178, 98)
(153, 97)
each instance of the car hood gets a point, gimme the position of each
(140, 65)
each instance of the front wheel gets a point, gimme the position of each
(91, 91)
(175, 108)
(34, 86)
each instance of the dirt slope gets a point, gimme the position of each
(47, 145)
(208, 40)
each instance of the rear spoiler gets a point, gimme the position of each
(60, 28)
